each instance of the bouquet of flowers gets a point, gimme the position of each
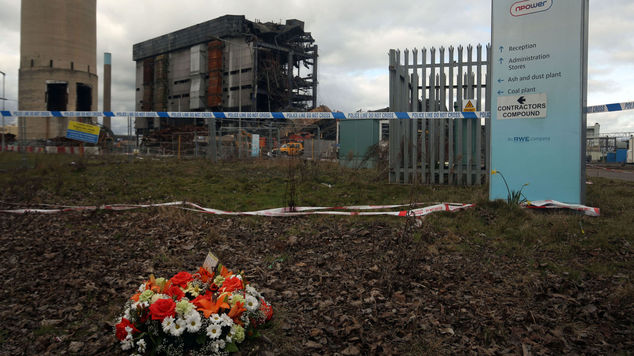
(209, 313)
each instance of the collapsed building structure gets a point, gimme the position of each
(225, 64)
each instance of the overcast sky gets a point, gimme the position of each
(354, 38)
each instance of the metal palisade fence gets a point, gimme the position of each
(443, 150)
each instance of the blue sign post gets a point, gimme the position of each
(539, 77)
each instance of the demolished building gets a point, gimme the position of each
(225, 64)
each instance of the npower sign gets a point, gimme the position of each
(527, 7)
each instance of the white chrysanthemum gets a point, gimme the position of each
(142, 287)
(167, 324)
(226, 320)
(178, 327)
(214, 348)
(191, 313)
(253, 291)
(214, 331)
(127, 345)
(251, 303)
(126, 314)
(193, 322)
(141, 345)
(215, 318)
(221, 344)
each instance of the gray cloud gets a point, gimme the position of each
(603, 86)
(9, 17)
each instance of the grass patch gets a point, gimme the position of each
(230, 186)
(559, 241)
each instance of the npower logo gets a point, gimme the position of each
(527, 7)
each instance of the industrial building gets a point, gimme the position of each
(226, 64)
(58, 63)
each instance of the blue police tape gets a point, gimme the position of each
(292, 115)
(254, 115)
(610, 107)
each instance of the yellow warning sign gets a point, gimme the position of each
(82, 127)
(468, 106)
(82, 132)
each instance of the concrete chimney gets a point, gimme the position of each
(58, 64)
(107, 83)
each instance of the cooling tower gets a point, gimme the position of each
(58, 63)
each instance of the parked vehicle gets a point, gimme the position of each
(290, 149)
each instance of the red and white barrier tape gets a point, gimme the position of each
(308, 210)
(298, 211)
(553, 204)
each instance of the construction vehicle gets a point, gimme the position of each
(290, 149)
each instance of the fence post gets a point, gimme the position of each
(405, 106)
(459, 135)
(442, 122)
(451, 122)
(469, 122)
(432, 122)
(414, 122)
(424, 152)
(478, 128)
